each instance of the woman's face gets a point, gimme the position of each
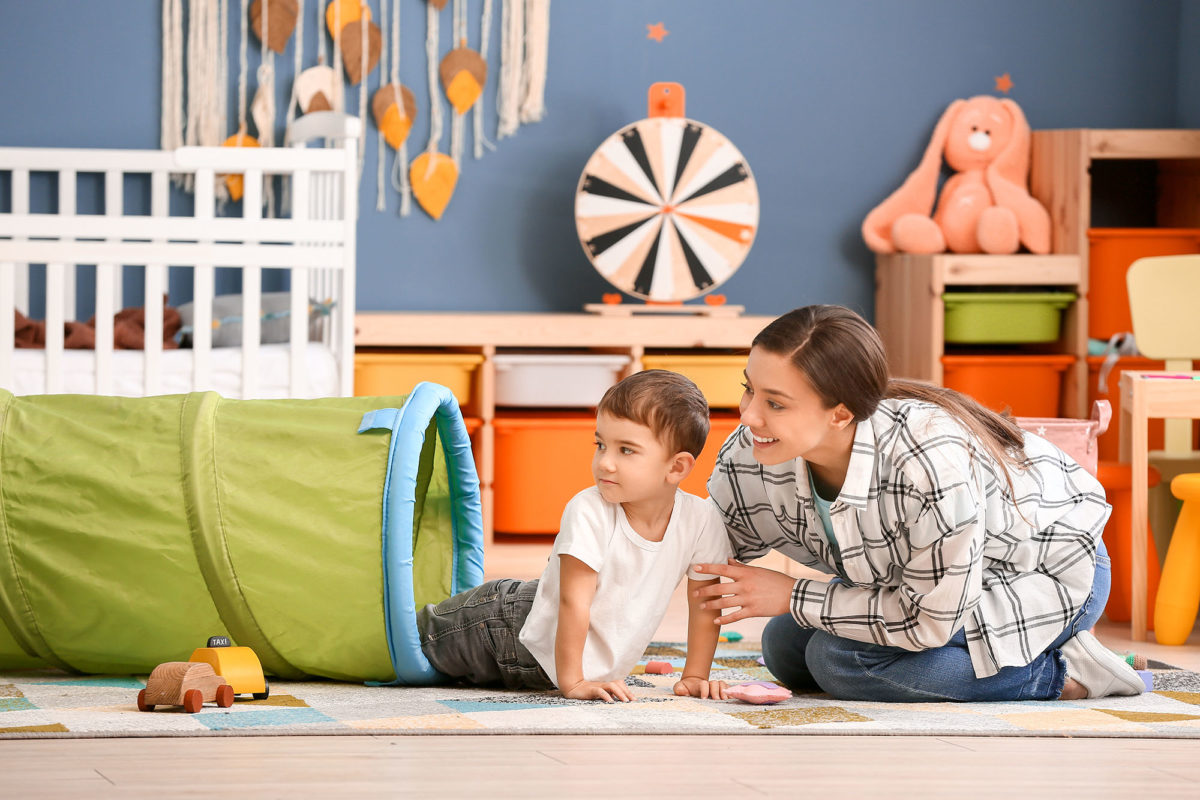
(786, 415)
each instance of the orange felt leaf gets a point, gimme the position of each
(235, 183)
(350, 11)
(463, 72)
(393, 119)
(432, 177)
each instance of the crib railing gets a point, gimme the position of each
(316, 243)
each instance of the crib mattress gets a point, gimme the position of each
(225, 377)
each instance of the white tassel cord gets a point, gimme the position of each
(485, 35)
(380, 150)
(363, 26)
(537, 50)
(432, 34)
(400, 165)
(171, 129)
(512, 61)
(458, 38)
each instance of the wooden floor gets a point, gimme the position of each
(447, 766)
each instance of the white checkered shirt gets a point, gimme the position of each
(929, 538)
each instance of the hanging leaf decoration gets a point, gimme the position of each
(438, 4)
(236, 183)
(316, 88)
(281, 21)
(463, 73)
(394, 119)
(352, 56)
(343, 12)
(433, 176)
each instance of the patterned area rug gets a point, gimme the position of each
(45, 704)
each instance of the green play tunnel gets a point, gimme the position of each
(132, 529)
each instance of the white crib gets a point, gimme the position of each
(316, 245)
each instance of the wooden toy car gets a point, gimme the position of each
(237, 665)
(184, 683)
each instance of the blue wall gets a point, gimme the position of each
(831, 102)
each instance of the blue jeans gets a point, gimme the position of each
(806, 659)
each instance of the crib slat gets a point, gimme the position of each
(55, 280)
(251, 291)
(108, 287)
(20, 205)
(156, 287)
(67, 205)
(202, 289)
(7, 332)
(343, 340)
(176, 229)
(298, 335)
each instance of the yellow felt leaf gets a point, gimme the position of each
(432, 177)
(351, 10)
(234, 183)
(395, 127)
(463, 91)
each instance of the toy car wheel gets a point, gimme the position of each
(265, 693)
(225, 696)
(142, 704)
(193, 699)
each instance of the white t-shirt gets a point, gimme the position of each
(635, 580)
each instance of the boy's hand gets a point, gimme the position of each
(595, 690)
(698, 687)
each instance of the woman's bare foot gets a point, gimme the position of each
(1073, 690)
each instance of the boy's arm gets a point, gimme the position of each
(577, 587)
(703, 632)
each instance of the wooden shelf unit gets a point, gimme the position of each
(489, 333)
(910, 311)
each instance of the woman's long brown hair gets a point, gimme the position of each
(842, 358)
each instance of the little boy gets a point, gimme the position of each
(621, 549)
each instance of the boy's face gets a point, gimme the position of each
(630, 463)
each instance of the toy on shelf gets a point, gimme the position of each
(184, 683)
(985, 207)
(760, 693)
(666, 208)
(237, 665)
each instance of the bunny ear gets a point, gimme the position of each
(917, 193)
(1012, 163)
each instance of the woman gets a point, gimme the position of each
(966, 555)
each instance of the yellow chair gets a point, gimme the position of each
(1164, 302)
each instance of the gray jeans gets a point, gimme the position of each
(473, 636)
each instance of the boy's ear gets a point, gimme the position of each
(682, 464)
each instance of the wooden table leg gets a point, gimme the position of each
(1138, 444)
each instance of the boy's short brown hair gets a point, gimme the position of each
(670, 405)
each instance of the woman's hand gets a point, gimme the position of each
(595, 690)
(754, 591)
(699, 687)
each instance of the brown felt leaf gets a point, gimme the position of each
(351, 40)
(281, 21)
(463, 73)
(394, 119)
(438, 4)
(318, 102)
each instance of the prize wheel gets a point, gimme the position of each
(666, 208)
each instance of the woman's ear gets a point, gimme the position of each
(682, 464)
(842, 416)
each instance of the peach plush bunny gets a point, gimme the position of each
(984, 207)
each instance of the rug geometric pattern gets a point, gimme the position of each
(49, 704)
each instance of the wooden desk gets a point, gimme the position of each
(1144, 398)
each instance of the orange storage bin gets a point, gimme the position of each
(542, 460)
(1117, 480)
(719, 429)
(385, 373)
(474, 425)
(1029, 385)
(1110, 252)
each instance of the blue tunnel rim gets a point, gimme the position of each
(427, 402)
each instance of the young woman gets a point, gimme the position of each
(966, 555)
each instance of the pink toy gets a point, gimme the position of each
(985, 207)
(760, 693)
(659, 668)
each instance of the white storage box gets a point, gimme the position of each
(542, 381)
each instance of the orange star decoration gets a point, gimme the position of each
(656, 32)
(1004, 83)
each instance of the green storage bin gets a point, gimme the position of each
(1004, 317)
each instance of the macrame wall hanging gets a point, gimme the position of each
(198, 71)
